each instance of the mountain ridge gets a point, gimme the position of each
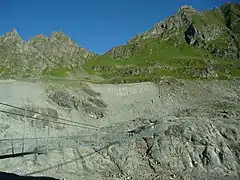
(40, 54)
(174, 44)
(187, 35)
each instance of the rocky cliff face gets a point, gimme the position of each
(201, 29)
(39, 55)
(172, 26)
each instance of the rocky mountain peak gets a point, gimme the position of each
(186, 8)
(13, 36)
(40, 36)
(185, 13)
(59, 35)
(41, 54)
(14, 31)
(215, 30)
(172, 25)
(37, 39)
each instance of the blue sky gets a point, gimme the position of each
(96, 25)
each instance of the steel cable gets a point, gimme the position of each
(67, 120)
(40, 119)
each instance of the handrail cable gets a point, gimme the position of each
(67, 120)
(26, 116)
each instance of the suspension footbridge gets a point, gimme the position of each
(13, 147)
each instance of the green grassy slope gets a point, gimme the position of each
(150, 57)
(160, 59)
(187, 45)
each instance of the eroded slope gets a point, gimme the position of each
(179, 129)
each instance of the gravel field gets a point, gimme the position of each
(182, 129)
